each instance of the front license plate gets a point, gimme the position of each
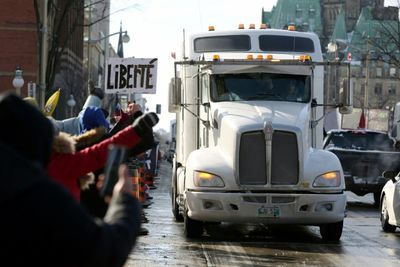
(271, 212)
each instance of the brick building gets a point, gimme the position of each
(18, 43)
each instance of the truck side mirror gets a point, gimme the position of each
(174, 95)
(346, 98)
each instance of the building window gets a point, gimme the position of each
(392, 72)
(378, 89)
(299, 13)
(311, 12)
(378, 72)
(392, 89)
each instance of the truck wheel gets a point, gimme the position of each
(386, 226)
(192, 228)
(331, 231)
(175, 206)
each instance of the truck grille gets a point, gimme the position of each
(252, 169)
(284, 159)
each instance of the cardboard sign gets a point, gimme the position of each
(131, 75)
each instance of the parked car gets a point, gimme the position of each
(364, 155)
(390, 202)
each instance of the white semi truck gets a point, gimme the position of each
(249, 104)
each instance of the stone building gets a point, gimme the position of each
(356, 29)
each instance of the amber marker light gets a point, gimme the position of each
(252, 26)
(263, 26)
(269, 57)
(241, 26)
(211, 28)
(249, 57)
(304, 58)
(216, 57)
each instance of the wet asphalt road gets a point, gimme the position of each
(362, 244)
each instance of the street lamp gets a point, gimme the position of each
(18, 80)
(125, 39)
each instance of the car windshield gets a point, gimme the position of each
(260, 86)
(361, 141)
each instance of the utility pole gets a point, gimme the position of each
(43, 55)
(89, 76)
(366, 83)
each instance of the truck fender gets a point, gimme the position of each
(320, 162)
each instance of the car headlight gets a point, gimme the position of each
(329, 179)
(206, 179)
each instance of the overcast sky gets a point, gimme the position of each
(156, 30)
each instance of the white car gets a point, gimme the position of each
(390, 202)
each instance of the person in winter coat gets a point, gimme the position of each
(91, 115)
(41, 224)
(67, 166)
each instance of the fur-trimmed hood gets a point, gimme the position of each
(64, 143)
(90, 137)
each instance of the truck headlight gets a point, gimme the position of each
(206, 179)
(329, 179)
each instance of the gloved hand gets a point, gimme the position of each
(144, 124)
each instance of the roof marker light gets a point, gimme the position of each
(216, 58)
(249, 57)
(252, 26)
(211, 28)
(304, 58)
(291, 28)
(263, 26)
(269, 57)
(241, 26)
(259, 57)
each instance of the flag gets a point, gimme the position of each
(173, 55)
(51, 103)
(361, 123)
(120, 50)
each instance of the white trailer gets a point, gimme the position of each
(247, 152)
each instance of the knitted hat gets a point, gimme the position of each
(25, 129)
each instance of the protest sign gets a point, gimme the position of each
(131, 75)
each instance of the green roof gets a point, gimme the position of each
(305, 14)
(378, 32)
(339, 32)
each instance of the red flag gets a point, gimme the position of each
(361, 124)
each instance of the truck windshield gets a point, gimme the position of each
(260, 86)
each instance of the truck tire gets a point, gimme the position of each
(192, 228)
(174, 195)
(175, 206)
(331, 231)
(386, 226)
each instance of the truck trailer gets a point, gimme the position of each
(249, 109)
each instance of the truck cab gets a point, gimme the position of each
(249, 142)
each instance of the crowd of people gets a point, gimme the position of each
(53, 214)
